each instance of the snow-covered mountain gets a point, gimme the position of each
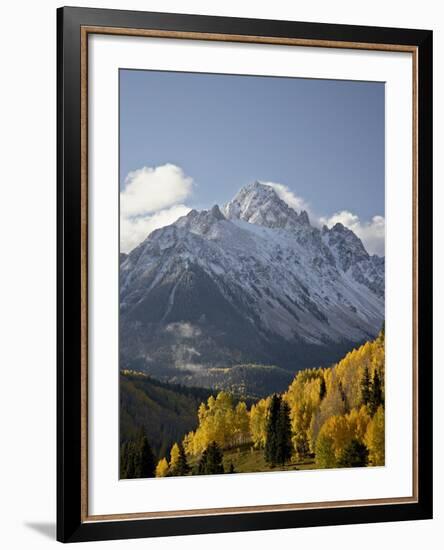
(251, 282)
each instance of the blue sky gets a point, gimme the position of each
(322, 139)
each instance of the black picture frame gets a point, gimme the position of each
(71, 526)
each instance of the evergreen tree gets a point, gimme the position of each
(123, 463)
(365, 386)
(214, 459)
(136, 458)
(202, 464)
(182, 468)
(343, 394)
(130, 469)
(144, 464)
(127, 460)
(278, 444)
(376, 398)
(300, 424)
(322, 389)
(354, 455)
(271, 442)
(210, 462)
(283, 431)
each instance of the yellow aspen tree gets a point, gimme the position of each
(362, 421)
(201, 412)
(375, 438)
(174, 456)
(211, 402)
(218, 426)
(325, 455)
(300, 424)
(199, 441)
(162, 468)
(258, 422)
(188, 443)
(313, 430)
(338, 431)
(224, 401)
(332, 404)
(241, 424)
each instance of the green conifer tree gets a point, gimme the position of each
(147, 461)
(365, 386)
(140, 461)
(123, 463)
(322, 389)
(127, 460)
(182, 468)
(343, 395)
(283, 430)
(210, 462)
(271, 438)
(214, 459)
(300, 440)
(376, 398)
(202, 464)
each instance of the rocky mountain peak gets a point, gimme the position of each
(258, 203)
(200, 222)
(345, 245)
(252, 282)
(216, 213)
(303, 217)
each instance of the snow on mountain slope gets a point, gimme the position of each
(253, 282)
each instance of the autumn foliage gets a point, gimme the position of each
(332, 416)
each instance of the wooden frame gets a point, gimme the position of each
(74, 26)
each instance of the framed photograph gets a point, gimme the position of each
(244, 274)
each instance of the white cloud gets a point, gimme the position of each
(284, 193)
(152, 198)
(152, 189)
(371, 233)
(184, 330)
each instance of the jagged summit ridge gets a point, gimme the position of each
(345, 245)
(200, 222)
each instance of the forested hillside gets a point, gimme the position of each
(164, 411)
(328, 417)
(247, 380)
